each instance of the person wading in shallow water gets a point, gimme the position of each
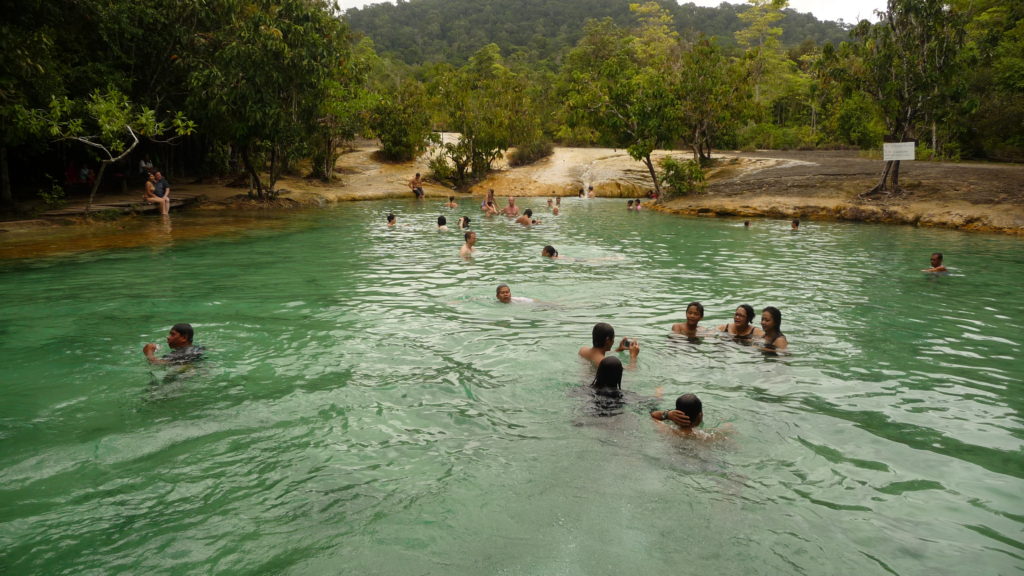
(179, 339)
(467, 249)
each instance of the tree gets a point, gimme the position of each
(110, 126)
(488, 105)
(627, 86)
(259, 74)
(907, 58)
(708, 96)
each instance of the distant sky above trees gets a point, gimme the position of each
(850, 11)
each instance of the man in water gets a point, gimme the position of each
(527, 218)
(416, 185)
(451, 202)
(689, 414)
(602, 339)
(467, 249)
(795, 224)
(511, 210)
(504, 295)
(179, 339)
(936, 263)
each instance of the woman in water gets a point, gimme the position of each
(694, 314)
(549, 252)
(771, 327)
(740, 327)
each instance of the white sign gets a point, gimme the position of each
(898, 151)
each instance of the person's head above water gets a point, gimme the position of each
(936, 259)
(796, 223)
(744, 314)
(603, 335)
(771, 319)
(549, 252)
(696, 308)
(391, 218)
(442, 221)
(470, 237)
(504, 293)
(692, 407)
(463, 221)
(528, 213)
(180, 335)
(609, 375)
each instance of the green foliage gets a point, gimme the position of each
(401, 121)
(429, 31)
(625, 85)
(773, 137)
(54, 197)
(530, 153)
(681, 178)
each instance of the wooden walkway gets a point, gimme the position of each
(120, 204)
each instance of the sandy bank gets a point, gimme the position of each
(810, 185)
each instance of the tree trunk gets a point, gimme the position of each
(96, 183)
(654, 176)
(254, 177)
(6, 198)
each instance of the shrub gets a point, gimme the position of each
(681, 178)
(530, 153)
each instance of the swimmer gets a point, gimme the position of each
(527, 218)
(629, 205)
(936, 263)
(554, 211)
(490, 209)
(463, 222)
(551, 203)
(391, 219)
(603, 338)
(590, 192)
(467, 249)
(740, 327)
(488, 200)
(504, 294)
(511, 210)
(795, 224)
(583, 194)
(771, 328)
(689, 414)
(179, 339)
(549, 252)
(451, 202)
(746, 223)
(442, 224)
(637, 207)
(558, 200)
(694, 314)
(608, 380)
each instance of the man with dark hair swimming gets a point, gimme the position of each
(179, 339)
(694, 314)
(936, 261)
(602, 339)
(689, 414)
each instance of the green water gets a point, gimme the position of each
(367, 407)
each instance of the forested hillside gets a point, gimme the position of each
(423, 31)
